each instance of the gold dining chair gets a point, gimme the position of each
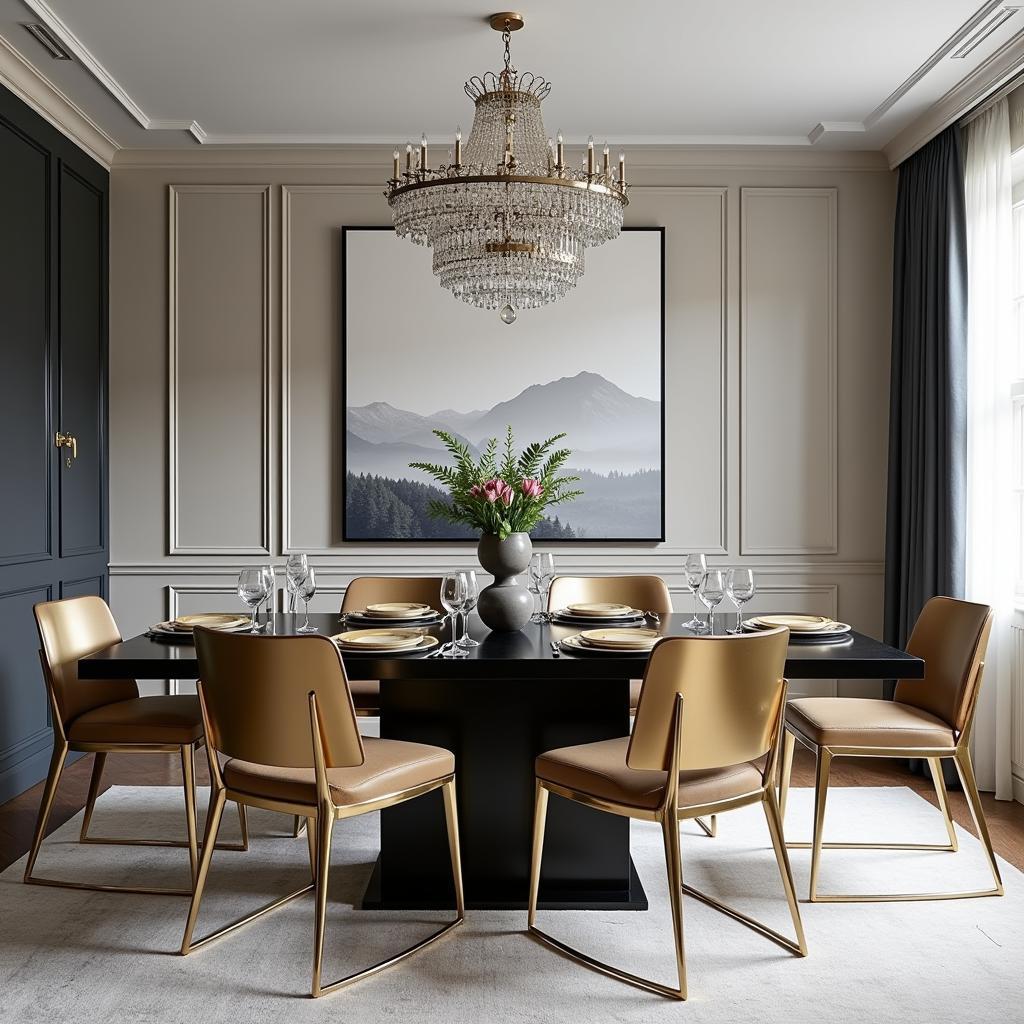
(706, 740)
(278, 711)
(367, 590)
(930, 718)
(109, 717)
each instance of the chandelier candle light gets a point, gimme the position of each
(508, 220)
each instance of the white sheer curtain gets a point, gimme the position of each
(991, 543)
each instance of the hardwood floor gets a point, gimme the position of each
(18, 816)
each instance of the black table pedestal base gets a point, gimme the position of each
(633, 898)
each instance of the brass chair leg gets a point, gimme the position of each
(938, 780)
(324, 832)
(710, 827)
(786, 772)
(298, 824)
(188, 779)
(243, 824)
(99, 760)
(57, 759)
(540, 817)
(773, 815)
(966, 770)
(820, 796)
(311, 840)
(674, 868)
(209, 845)
(451, 818)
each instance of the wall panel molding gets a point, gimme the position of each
(287, 264)
(175, 543)
(779, 315)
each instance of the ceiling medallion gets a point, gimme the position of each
(507, 217)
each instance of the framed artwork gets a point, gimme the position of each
(592, 365)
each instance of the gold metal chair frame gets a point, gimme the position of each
(320, 825)
(61, 748)
(960, 754)
(668, 815)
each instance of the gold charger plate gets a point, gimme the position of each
(424, 642)
(602, 610)
(381, 639)
(399, 609)
(574, 645)
(794, 623)
(210, 620)
(628, 638)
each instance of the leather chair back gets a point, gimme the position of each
(733, 694)
(69, 630)
(648, 593)
(255, 692)
(366, 590)
(952, 637)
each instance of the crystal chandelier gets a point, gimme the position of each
(508, 220)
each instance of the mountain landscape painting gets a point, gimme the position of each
(589, 365)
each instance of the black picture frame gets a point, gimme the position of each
(346, 230)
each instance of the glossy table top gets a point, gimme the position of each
(504, 656)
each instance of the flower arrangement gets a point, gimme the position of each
(500, 499)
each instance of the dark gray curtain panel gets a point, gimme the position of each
(926, 506)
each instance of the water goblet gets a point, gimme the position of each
(545, 574)
(711, 592)
(472, 593)
(305, 589)
(535, 586)
(739, 585)
(252, 589)
(694, 568)
(295, 569)
(453, 596)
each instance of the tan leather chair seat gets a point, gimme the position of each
(600, 770)
(365, 694)
(860, 722)
(174, 719)
(389, 766)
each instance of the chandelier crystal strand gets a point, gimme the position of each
(508, 221)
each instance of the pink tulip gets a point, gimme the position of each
(506, 494)
(532, 488)
(475, 491)
(492, 489)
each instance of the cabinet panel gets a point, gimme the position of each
(24, 382)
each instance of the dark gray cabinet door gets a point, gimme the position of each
(53, 370)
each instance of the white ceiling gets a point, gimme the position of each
(751, 72)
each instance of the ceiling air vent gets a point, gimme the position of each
(49, 42)
(984, 30)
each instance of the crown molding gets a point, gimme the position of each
(34, 88)
(991, 75)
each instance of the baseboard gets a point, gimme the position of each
(1018, 789)
(29, 771)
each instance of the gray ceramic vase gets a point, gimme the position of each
(505, 606)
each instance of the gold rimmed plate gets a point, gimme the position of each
(599, 610)
(794, 623)
(573, 645)
(630, 616)
(399, 609)
(620, 638)
(423, 643)
(379, 639)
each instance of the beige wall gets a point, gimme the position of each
(226, 418)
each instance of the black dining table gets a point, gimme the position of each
(499, 707)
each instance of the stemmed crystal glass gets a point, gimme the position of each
(472, 593)
(305, 589)
(542, 570)
(739, 586)
(295, 569)
(711, 592)
(252, 589)
(268, 575)
(453, 598)
(533, 586)
(695, 567)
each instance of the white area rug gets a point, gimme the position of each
(79, 956)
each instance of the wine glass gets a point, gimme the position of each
(536, 586)
(545, 574)
(252, 589)
(739, 585)
(295, 569)
(472, 593)
(695, 566)
(305, 589)
(453, 596)
(711, 592)
(268, 575)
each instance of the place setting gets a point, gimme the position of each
(180, 628)
(803, 629)
(394, 642)
(612, 640)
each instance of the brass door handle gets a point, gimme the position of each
(62, 440)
